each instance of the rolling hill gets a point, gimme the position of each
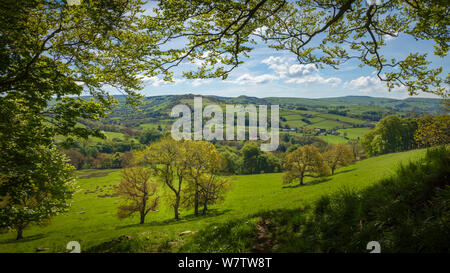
(92, 219)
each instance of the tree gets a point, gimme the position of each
(127, 158)
(212, 189)
(433, 131)
(202, 158)
(230, 160)
(167, 160)
(303, 162)
(33, 191)
(338, 155)
(149, 136)
(356, 148)
(250, 153)
(50, 54)
(392, 134)
(76, 158)
(139, 192)
(36, 177)
(325, 33)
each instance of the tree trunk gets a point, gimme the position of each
(142, 217)
(144, 204)
(205, 206)
(175, 207)
(19, 233)
(301, 179)
(196, 199)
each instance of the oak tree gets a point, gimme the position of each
(169, 164)
(338, 155)
(212, 190)
(139, 191)
(305, 161)
(202, 158)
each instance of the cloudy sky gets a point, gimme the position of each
(268, 72)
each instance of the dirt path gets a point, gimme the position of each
(263, 240)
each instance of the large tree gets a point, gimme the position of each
(392, 134)
(50, 54)
(305, 161)
(139, 191)
(212, 189)
(322, 32)
(36, 181)
(202, 159)
(338, 155)
(250, 154)
(167, 159)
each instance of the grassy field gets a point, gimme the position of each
(332, 139)
(354, 133)
(92, 218)
(109, 136)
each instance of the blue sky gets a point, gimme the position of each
(268, 73)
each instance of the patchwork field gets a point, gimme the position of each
(92, 218)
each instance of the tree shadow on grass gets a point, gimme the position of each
(314, 182)
(188, 218)
(343, 171)
(321, 180)
(23, 240)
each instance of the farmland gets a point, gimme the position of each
(92, 218)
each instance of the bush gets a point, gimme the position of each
(409, 212)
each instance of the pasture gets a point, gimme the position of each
(92, 218)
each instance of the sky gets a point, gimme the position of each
(270, 73)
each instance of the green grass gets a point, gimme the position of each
(113, 135)
(326, 124)
(354, 133)
(408, 212)
(108, 135)
(332, 139)
(249, 194)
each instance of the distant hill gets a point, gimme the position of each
(350, 116)
(419, 105)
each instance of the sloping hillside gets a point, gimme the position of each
(92, 218)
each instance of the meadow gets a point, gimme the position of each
(92, 218)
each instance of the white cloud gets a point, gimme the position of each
(372, 85)
(365, 83)
(249, 79)
(260, 31)
(390, 37)
(277, 64)
(316, 79)
(298, 73)
(155, 81)
(301, 70)
(198, 82)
